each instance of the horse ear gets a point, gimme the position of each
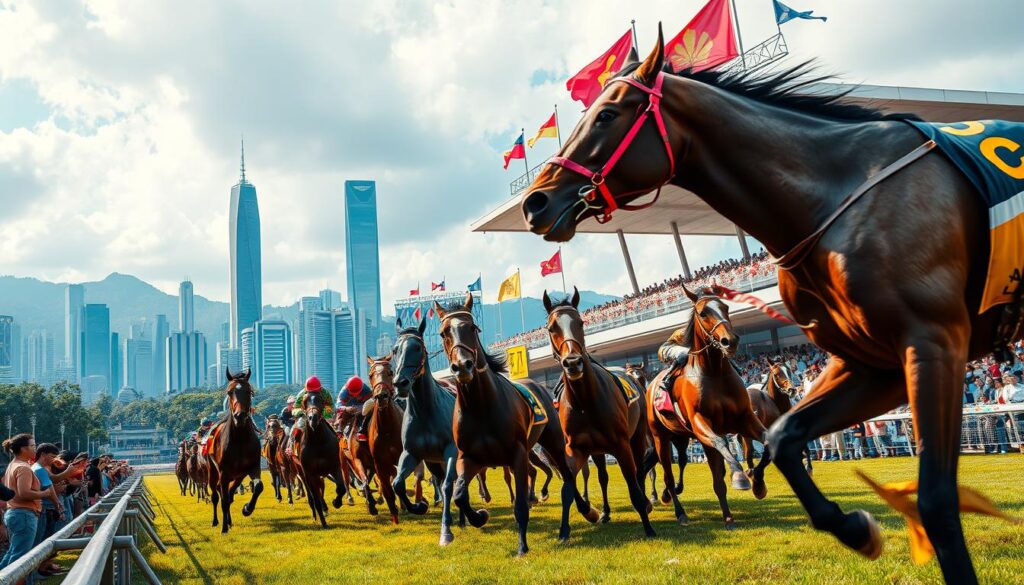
(369, 360)
(690, 294)
(398, 324)
(246, 375)
(227, 373)
(423, 326)
(575, 297)
(439, 310)
(547, 301)
(469, 301)
(648, 71)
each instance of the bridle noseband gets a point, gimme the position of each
(597, 179)
(423, 353)
(556, 351)
(455, 346)
(385, 388)
(708, 333)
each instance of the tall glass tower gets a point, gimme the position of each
(74, 300)
(186, 310)
(95, 345)
(246, 272)
(362, 258)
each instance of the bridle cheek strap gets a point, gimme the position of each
(597, 179)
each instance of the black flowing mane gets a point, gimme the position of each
(790, 88)
(498, 364)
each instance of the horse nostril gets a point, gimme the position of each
(467, 365)
(455, 368)
(725, 342)
(536, 202)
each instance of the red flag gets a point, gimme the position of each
(430, 313)
(414, 292)
(517, 151)
(706, 42)
(437, 286)
(416, 314)
(552, 265)
(586, 85)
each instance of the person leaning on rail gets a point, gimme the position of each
(22, 515)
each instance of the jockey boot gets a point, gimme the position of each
(668, 381)
(364, 427)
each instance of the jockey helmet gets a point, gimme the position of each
(313, 384)
(354, 386)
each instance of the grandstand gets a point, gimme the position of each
(410, 310)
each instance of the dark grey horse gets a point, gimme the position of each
(426, 425)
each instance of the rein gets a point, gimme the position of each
(597, 179)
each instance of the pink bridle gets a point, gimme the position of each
(597, 179)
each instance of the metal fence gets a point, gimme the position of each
(107, 555)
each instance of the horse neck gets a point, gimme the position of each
(422, 396)
(769, 159)
(584, 391)
(482, 393)
(385, 417)
(780, 398)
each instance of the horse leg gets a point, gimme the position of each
(532, 474)
(418, 474)
(387, 489)
(340, 489)
(756, 431)
(407, 463)
(707, 436)
(446, 495)
(637, 497)
(553, 442)
(321, 502)
(467, 470)
(932, 365)
(585, 468)
(748, 454)
(601, 464)
(521, 470)
(310, 492)
(257, 489)
(842, 395)
(225, 505)
(717, 467)
(663, 446)
(508, 481)
(371, 502)
(216, 500)
(539, 463)
(682, 458)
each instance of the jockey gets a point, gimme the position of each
(673, 353)
(356, 398)
(286, 413)
(204, 428)
(299, 411)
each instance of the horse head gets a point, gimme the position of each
(382, 379)
(781, 377)
(710, 324)
(239, 393)
(410, 353)
(460, 336)
(565, 331)
(637, 372)
(612, 157)
(315, 407)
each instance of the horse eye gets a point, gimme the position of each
(606, 116)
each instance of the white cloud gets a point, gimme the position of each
(133, 168)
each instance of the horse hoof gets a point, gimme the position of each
(592, 516)
(394, 519)
(482, 517)
(872, 549)
(246, 510)
(605, 518)
(522, 552)
(760, 489)
(563, 540)
(650, 533)
(350, 501)
(730, 525)
(740, 481)
(446, 538)
(419, 508)
(336, 502)
(683, 520)
(679, 489)
(650, 507)
(544, 496)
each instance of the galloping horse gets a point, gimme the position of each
(198, 472)
(495, 425)
(770, 401)
(791, 169)
(316, 456)
(181, 468)
(639, 374)
(356, 460)
(281, 466)
(600, 412)
(234, 451)
(385, 433)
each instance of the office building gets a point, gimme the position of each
(138, 367)
(74, 300)
(94, 341)
(38, 351)
(330, 299)
(271, 362)
(9, 366)
(362, 256)
(186, 362)
(115, 362)
(161, 331)
(330, 346)
(186, 308)
(246, 268)
(227, 358)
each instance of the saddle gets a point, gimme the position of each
(665, 408)
(205, 442)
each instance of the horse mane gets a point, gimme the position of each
(497, 363)
(410, 331)
(789, 88)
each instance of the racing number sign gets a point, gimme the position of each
(518, 363)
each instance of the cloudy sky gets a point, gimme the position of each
(120, 124)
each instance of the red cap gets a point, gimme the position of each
(313, 384)
(354, 385)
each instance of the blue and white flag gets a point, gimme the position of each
(784, 14)
(475, 286)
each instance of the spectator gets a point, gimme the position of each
(52, 510)
(22, 515)
(94, 480)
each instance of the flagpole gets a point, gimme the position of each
(523, 134)
(558, 128)
(561, 262)
(522, 313)
(636, 47)
(739, 37)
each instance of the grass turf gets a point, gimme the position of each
(773, 543)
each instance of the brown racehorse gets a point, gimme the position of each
(385, 433)
(181, 468)
(198, 473)
(234, 451)
(786, 165)
(639, 373)
(271, 446)
(770, 401)
(356, 459)
(596, 417)
(316, 456)
(494, 425)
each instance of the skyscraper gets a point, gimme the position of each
(329, 343)
(272, 344)
(304, 324)
(227, 358)
(330, 299)
(115, 363)
(186, 311)
(362, 259)
(161, 330)
(186, 361)
(94, 345)
(74, 300)
(8, 361)
(246, 271)
(138, 367)
(38, 349)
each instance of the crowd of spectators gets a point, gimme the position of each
(731, 273)
(44, 488)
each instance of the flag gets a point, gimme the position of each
(510, 288)
(430, 313)
(414, 292)
(437, 286)
(475, 286)
(784, 14)
(548, 129)
(517, 150)
(416, 314)
(586, 85)
(706, 42)
(552, 265)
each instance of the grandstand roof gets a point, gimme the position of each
(694, 217)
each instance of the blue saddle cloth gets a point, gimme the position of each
(990, 153)
(540, 415)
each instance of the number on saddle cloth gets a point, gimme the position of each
(540, 416)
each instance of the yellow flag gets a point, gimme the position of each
(510, 288)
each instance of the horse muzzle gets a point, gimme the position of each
(572, 365)
(402, 387)
(553, 216)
